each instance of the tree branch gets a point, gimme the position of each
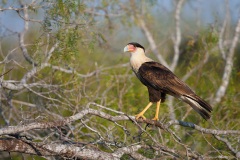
(80, 115)
(73, 150)
(177, 37)
(53, 149)
(228, 67)
(151, 41)
(234, 151)
(21, 39)
(222, 31)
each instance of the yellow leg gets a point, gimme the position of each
(143, 111)
(157, 111)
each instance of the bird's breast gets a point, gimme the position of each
(135, 65)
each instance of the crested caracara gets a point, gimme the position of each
(160, 81)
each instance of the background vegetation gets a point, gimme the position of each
(67, 90)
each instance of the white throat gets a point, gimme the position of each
(138, 58)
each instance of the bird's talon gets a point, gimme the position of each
(140, 116)
(155, 119)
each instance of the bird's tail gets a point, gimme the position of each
(198, 104)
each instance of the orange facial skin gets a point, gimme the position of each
(131, 48)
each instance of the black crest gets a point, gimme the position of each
(135, 44)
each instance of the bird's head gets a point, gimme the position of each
(134, 47)
(137, 55)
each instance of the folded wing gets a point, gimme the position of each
(161, 78)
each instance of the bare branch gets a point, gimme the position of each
(234, 151)
(223, 28)
(36, 69)
(177, 37)
(67, 150)
(176, 42)
(148, 35)
(76, 151)
(80, 115)
(24, 103)
(151, 41)
(71, 71)
(21, 39)
(5, 72)
(64, 150)
(49, 54)
(201, 129)
(25, 18)
(18, 86)
(228, 67)
(31, 5)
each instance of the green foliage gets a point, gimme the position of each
(64, 11)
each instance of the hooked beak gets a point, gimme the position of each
(126, 49)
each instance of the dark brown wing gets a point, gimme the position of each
(161, 78)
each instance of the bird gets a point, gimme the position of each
(160, 81)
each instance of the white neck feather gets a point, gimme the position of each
(138, 58)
